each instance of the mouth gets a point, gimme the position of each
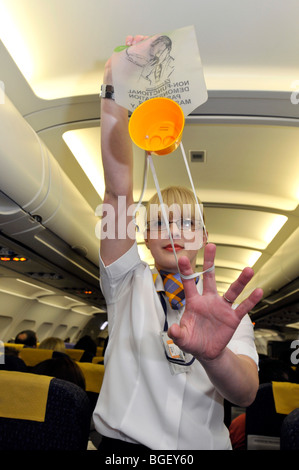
(176, 247)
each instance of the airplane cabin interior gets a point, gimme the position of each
(242, 147)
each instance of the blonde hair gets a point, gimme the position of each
(56, 344)
(175, 196)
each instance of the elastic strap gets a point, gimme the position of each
(149, 156)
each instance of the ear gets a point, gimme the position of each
(205, 240)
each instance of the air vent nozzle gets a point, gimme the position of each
(197, 156)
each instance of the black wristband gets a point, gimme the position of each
(107, 91)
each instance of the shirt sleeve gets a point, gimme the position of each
(242, 341)
(115, 278)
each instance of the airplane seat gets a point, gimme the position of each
(98, 360)
(75, 354)
(33, 356)
(94, 375)
(16, 346)
(265, 416)
(42, 413)
(289, 437)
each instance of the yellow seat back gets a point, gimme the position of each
(94, 374)
(33, 356)
(23, 395)
(74, 354)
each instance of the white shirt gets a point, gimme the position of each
(140, 400)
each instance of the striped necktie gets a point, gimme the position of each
(174, 289)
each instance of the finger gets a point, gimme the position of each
(186, 269)
(238, 286)
(209, 282)
(176, 333)
(129, 40)
(138, 38)
(249, 302)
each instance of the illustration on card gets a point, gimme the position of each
(158, 64)
(164, 65)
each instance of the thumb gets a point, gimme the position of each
(176, 333)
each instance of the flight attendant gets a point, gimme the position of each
(173, 355)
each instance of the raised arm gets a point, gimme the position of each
(117, 158)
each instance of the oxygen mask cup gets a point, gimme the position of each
(157, 126)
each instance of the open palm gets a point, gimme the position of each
(209, 321)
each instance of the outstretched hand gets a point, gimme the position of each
(209, 321)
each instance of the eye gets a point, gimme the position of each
(187, 223)
(161, 224)
(157, 224)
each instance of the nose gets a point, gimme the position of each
(175, 231)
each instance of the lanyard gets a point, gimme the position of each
(180, 362)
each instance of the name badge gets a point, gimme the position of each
(179, 362)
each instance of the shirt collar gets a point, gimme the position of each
(157, 280)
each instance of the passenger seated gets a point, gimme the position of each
(56, 344)
(89, 346)
(61, 367)
(12, 361)
(26, 337)
(274, 370)
(104, 349)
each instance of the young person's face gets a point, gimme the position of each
(187, 238)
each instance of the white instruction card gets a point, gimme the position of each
(164, 65)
